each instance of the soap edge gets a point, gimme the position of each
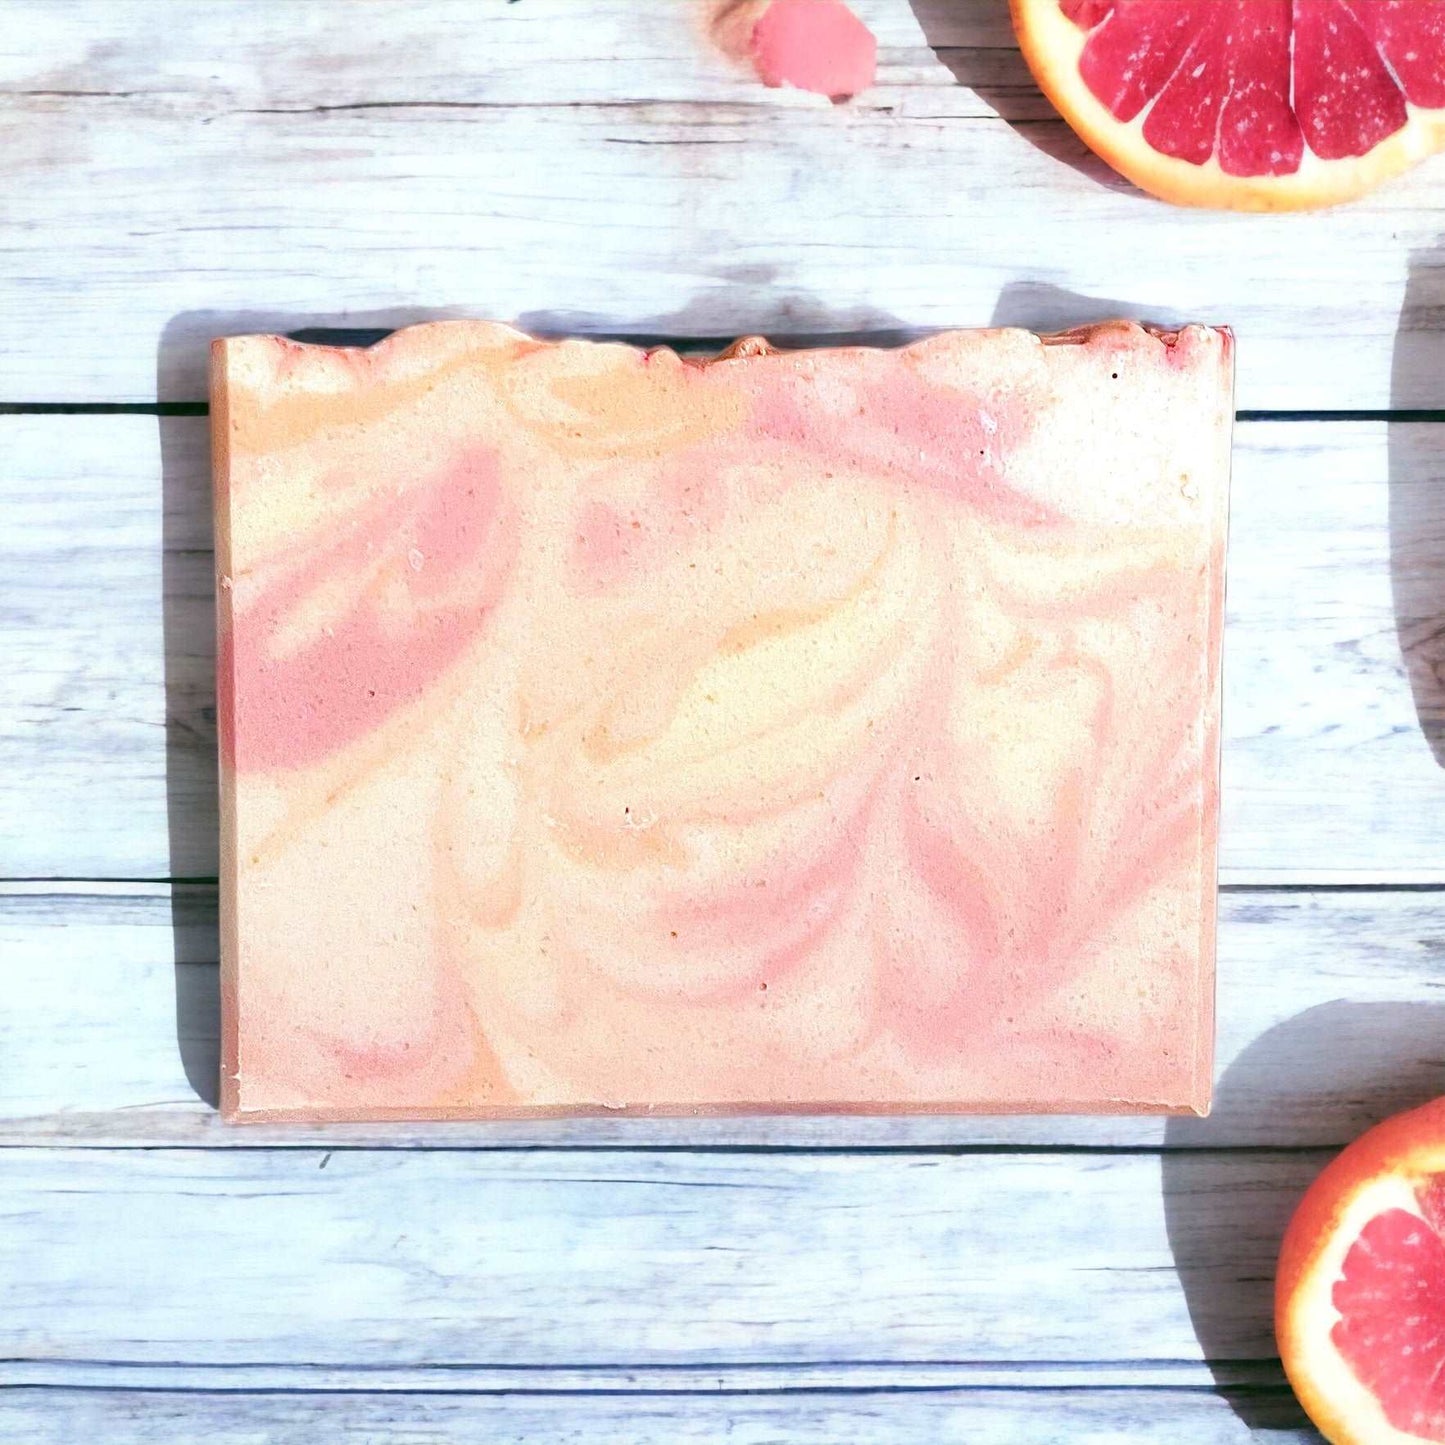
(1211, 782)
(220, 417)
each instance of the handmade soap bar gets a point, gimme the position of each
(828, 730)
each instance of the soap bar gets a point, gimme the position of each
(816, 731)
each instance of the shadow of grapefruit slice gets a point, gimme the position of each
(1360, 1292)
(1254, 105)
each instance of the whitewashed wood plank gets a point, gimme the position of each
(1335, 655)
(1233, 1376)
(1331, 1013)
(93, 655)
(1056, 1417)
(259, 54)
(1337, 556)
(602, 167)
(452, 1257)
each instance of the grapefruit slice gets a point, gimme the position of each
(1255, 105)
(1360, 1293)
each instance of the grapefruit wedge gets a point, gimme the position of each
(1255, 105)
(1360, 1293)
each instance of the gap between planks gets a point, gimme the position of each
(201, 408)
(63, 885)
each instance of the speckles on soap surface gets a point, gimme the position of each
(815, 728)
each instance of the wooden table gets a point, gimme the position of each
(175, 169)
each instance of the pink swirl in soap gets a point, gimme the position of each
(398, 594)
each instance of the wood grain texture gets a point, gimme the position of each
(976, 1417)
(1236, 1376)
(1332, 1008)
(1334, 652)
(362, 1259)
(605, 168)
(599, 168)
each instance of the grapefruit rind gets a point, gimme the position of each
(1053, 44)
(1379, 1171)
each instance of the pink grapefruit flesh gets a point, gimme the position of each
(1391, 1330)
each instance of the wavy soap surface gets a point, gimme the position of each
(830, 730)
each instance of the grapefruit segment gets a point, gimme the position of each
(1348, 102)
(1391, 1330)
(1247, 104)
(1360, 1294)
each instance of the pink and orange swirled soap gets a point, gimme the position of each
(832, 730)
